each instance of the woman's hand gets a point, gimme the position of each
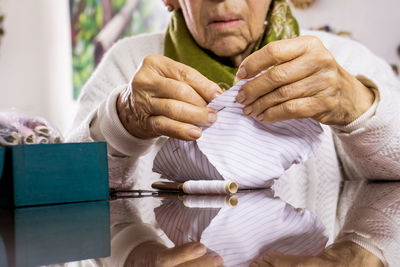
(152, 253)
(301, 80)
(337, 255)
(167, 98)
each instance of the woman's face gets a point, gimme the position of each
(226, 27)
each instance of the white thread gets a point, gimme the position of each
(191, 201)
(30, 139)
(43, 130)
(209, 187)
(42, 140)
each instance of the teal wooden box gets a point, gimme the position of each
(42, 235)
(54, 173)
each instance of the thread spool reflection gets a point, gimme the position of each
(209, 201)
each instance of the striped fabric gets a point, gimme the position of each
(259, 223)
(238, 148)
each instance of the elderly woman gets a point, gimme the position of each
(157, 85)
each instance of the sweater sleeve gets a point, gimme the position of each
(97, 119)
(107, 126)
(129, 230)
(371, 149)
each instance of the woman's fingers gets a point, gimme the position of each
(274, 53)
(300, 78)
(181, 254)
(260, 263)
(277, 259)
(169, 68)
(189, 255)
(276, 77)
(293, 109)
(304, 88)
(162, 125)
(172, 89)
(209, 260)
(183, 112)
(167, 98)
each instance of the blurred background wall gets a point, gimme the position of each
(35, 59)
(374, 23)
(36, 63)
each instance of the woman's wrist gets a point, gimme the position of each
(363, 98)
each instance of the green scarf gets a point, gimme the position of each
(180, 45)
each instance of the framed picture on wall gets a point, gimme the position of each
(97, 24)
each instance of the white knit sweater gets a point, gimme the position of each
(368, 148)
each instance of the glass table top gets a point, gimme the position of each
(135, 228)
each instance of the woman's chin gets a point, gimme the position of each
(227, 49)
(228, 45)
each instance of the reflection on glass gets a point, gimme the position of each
(55, 234)
(239, 234)
(3, 254)
(239, 230)
(369, 215)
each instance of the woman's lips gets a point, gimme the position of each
(225, 22)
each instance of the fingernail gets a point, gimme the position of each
(218, 89)
(260, 117)
(218, 260)
(200, 249)
(217, 94)
(242, 73)
(254, 264)
(247, 110)
(241, 97)
(194, 133)
(212, 117)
